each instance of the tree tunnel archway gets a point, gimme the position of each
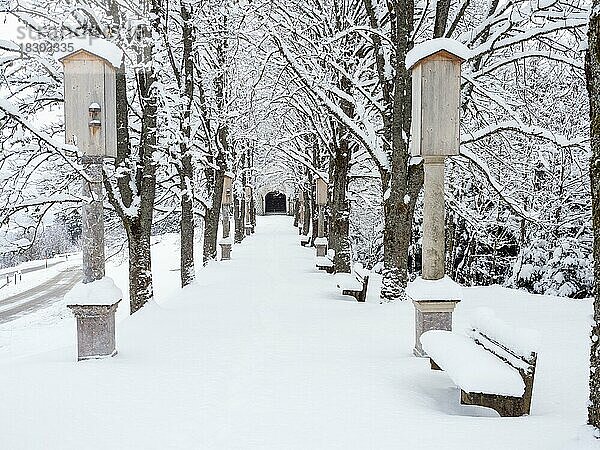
(275, 203)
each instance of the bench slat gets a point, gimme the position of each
(502, 352)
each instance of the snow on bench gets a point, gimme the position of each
(347, 281)
(470, 368)
(493, 365)
(354, 284)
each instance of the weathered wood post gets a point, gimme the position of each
(435, 66)
(226, 200)
(90, 124)
(248, 206)
(321, 194)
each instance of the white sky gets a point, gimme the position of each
(9, 29)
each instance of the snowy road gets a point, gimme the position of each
(40, 296)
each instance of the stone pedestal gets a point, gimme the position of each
(95, 330)
(431, 315)
(321, 245)
(225, 251)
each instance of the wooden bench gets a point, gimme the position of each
(493, 365)
(304, 240)
(355, 283)
(326, 262)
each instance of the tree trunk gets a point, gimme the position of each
(213, 213)
(400, 183)
(136, 182)
(339, 227)
(307, 212)
(239, 207)
(140, 280)
(187, 223)
(186, 170)
(592, 70)
(214, 175)
(296, 212)
(140, 266)
(252, 212)
(399, 209)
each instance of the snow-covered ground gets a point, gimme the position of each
(263, 352)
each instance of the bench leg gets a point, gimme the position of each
(505, 405)
(355, 294)
(433, 365)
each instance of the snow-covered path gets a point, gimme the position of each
(263, 352)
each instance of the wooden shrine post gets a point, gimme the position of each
(435, 135)
(321, 195)
(90, 124)
(226, 200)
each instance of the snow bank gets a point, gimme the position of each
(444, 289)
(522, 341)
(470, 367)
(428, 48)
(99, 292)
(100, 47)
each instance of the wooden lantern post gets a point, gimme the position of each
(321, 195)
(90, 124)
(435, 135)
(226, 201)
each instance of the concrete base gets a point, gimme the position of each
(225, 252)
(95, 330)
(321, 249)
(431, 315)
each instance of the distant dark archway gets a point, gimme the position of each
(275, 203)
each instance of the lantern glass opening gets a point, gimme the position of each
(94, 110)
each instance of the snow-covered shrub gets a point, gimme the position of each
(565, 269)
